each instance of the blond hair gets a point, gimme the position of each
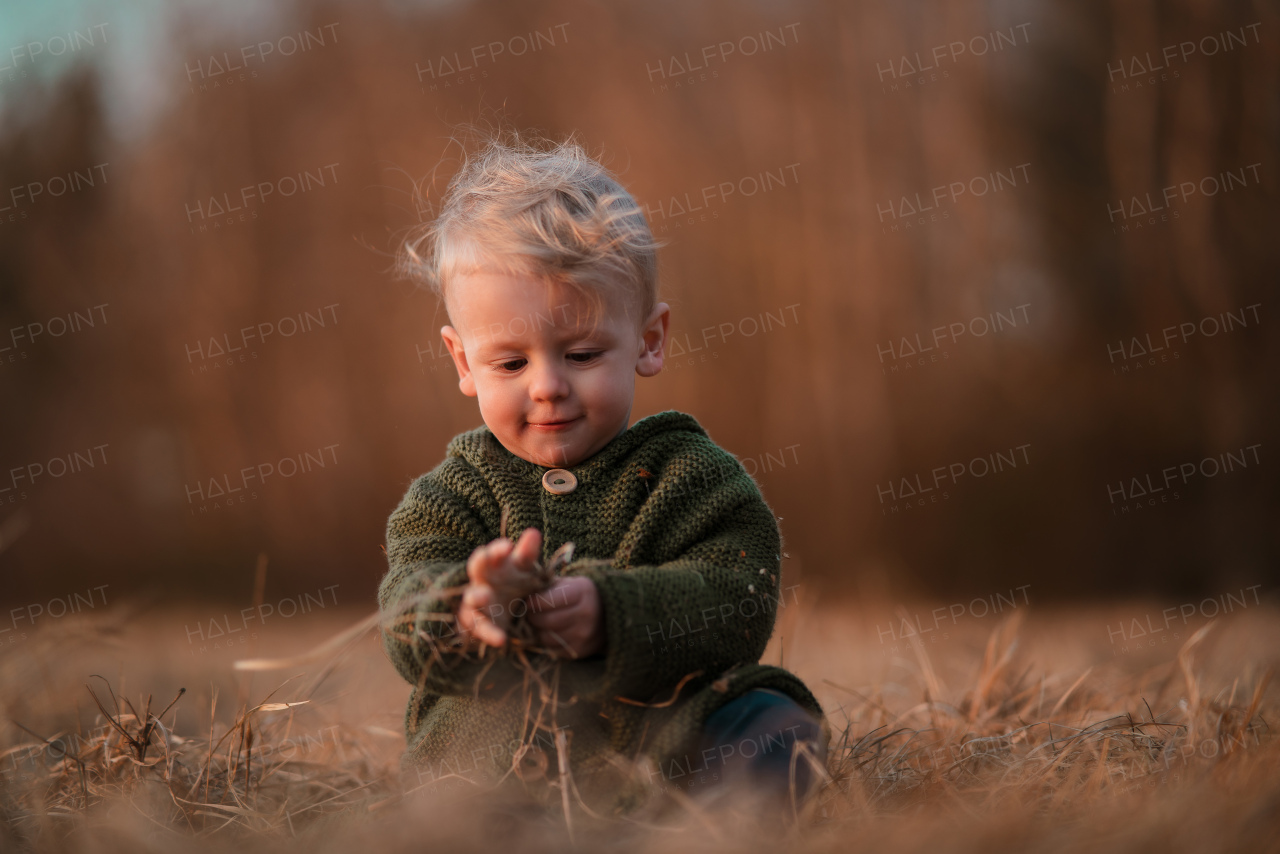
(541, 209)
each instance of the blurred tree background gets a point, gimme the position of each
(810, 255)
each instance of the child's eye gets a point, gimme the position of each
(582, 358)
(511, 365)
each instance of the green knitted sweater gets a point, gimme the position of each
(687, 563)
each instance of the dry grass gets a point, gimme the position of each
(1030, 736)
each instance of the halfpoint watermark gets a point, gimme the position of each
(907, 354)
(18, 621)
(711, 765)
(57, 326)
(1134, 494)
(910, 493)
(16, 204)
(231, 631)
(672, 73)
(705, 204)
(528, 758)
(512, 329)
(684, 352)
(15, 62)
(913, 630)
(914, 212)
(1134, 73)
(1139, 354)
(689, 631)
(1146, 632)
(228, 351)
(472, 66)
(218, 212)
(24, 477)
(1146, 212)
(242, 65)
(209, 495)
(902, 74)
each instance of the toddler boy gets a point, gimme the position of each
(631, 656)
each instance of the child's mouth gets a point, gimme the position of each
(554, 426)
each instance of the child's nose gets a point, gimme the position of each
(547, 382)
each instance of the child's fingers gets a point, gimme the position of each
(475, 565)
(468, 606)
(487, 632)
(473, 616)
(478, 595)
(567, 615)
(557, 619)
(487, 559)
(516, 561)
(527, 548)
(506, 565)
(563, 593)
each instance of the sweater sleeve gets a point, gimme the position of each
(713, 604)
(430, 535)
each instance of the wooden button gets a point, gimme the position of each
(559, 481)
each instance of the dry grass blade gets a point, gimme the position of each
(1074, 685)
(931, 680)
(1193, 685)
(665, 703)
(139, 746)
(278, 707)
(566, 783)
(332, 646)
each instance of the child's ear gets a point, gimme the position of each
(653, 340)
(453, 342)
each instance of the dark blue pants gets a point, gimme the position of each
(750, 741)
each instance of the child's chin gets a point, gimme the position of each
(552, 452)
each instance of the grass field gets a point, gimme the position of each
(1032, 730)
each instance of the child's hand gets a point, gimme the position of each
(500, 573)
(568, 617)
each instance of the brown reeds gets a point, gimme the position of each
(1000, 746)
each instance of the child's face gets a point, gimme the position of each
(553, 388)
